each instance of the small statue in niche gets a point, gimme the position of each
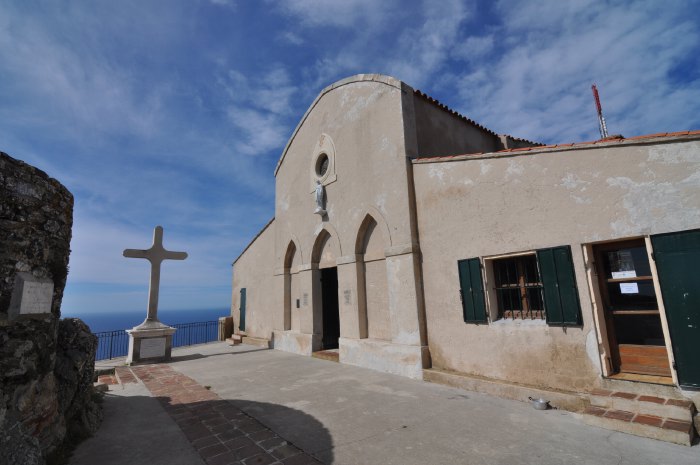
(320, 199)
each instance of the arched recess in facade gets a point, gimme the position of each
(292, 259)
(372, 239)
(326, 249)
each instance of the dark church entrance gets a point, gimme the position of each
(331, 316)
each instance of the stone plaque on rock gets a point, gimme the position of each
(31, 295)
(153, 347)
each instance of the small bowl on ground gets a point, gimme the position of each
(539, 404)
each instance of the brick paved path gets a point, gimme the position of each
(220, 432)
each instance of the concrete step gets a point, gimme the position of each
(642, 385)
(638, 424)
(331, 355)
(679, 409)
(256, 341)
(235, 339)
(571, 401)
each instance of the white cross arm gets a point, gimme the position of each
(135, 253)
(175, 255)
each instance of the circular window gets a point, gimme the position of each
(322, 165)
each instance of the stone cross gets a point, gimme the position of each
(156, 254)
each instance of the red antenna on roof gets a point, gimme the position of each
(601, 119)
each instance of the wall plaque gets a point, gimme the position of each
(152, 347)
(31, 295)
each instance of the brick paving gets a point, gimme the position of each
(221, 433)
(651, 420)
(643, 398)
(642, 418)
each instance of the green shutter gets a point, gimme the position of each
(559, 286)
(241, 324)
(677, 256)
(472, 291)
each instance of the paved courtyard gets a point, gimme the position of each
(216, 405)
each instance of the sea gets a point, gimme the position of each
(127, 319)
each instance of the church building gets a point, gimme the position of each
(417, 242)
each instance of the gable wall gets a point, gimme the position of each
(364, 121)
(439, 132)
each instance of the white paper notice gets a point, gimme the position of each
(629, 288)
(624, 274)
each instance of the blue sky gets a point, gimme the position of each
(175, 112)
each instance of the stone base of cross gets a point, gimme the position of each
(152, 340)
(150, 345)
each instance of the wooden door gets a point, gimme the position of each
(631, 309)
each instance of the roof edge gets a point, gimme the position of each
(253, 240)
(449, 110)
(379, 78)
(664, 137)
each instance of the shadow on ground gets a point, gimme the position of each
(182, 358)
(143, 430)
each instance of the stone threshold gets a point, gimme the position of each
(256, 341)
(332, 355)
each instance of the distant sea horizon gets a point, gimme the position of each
(127, 319)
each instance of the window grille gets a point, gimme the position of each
(518, 288)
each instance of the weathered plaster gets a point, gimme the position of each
(523, 202)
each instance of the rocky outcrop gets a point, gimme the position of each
(46, 366)
(16, 445)
(36, 218)
(74, 371)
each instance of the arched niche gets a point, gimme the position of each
(326, 249)
(291, 285)
(375, 320)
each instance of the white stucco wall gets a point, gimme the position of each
(253, 270)
(514, 202)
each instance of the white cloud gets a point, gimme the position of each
(473, 48)
(424, 51)
(261, 108)
(292, 38)
(344, 14)
(539, 87)
(408, 42)
(77, 84)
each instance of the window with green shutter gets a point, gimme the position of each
(472, 291)
(559, 286)
(517, 286)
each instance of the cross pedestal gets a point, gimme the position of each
(152, 340)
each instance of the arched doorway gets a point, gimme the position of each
(326, 309)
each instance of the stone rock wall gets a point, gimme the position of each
(45, 366)
(74, 370)
(36, 216)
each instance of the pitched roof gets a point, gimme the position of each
(609, 141)
(449, 110)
